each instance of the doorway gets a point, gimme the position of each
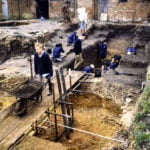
(42, 9)
(102, 8)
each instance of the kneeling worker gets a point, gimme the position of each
(89, 69)
(72, 38)
(113, 64)
(56, 52)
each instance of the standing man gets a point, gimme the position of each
(102, 51)
(43, 65)
(78, 52)
(83, 26)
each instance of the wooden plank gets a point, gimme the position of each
(22, 124)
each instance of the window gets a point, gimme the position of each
(123, 0)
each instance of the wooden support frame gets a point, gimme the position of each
(61, 100)
(65, 93)
(63, 115)
(67, 103)
(55, 117)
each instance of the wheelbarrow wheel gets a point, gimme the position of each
(20, 108)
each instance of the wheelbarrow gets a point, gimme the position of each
(29, 90)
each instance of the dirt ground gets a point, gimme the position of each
(33, 143)
(117, 46)
(6, 100)
(92, 114)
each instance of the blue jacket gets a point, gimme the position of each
(102, 50)
(43, 64)
(87, 69)
(131, 49)
(78, 46)
(72, 38)
(113, 65)
(57, 50)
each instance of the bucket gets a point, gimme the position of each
(97, 72)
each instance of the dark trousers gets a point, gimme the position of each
(49, 83)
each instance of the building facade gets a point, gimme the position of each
(103, 10)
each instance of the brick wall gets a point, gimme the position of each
(55, 8)
(89, 5)
(133, 10)
(1, 15)
(27, 9)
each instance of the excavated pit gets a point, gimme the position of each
(93, 114)
(118, 38)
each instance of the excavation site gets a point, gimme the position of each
(74, 75)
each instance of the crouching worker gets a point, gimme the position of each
(105, 66)
(113, 64)
(89, 69)
(72, 38)
(43, 65)
(131, 50)
(56, 52)
(117, 58)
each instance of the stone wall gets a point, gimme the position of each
(55, 9)
(1, 14)
(133, 10)
(24, 9)
(88, 5)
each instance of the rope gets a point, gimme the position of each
(90, 133)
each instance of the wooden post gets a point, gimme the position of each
(55, 117)
(31, 70)
(61, 100)
(65, 93)
(70, 81)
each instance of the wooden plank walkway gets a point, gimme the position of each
(13, 127)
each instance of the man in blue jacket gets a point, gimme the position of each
(113, 64)
(72, 38)
(43, 65)
(56, 52)
(131, 50)
(102, 50)
(117, 58)
(78, 52)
